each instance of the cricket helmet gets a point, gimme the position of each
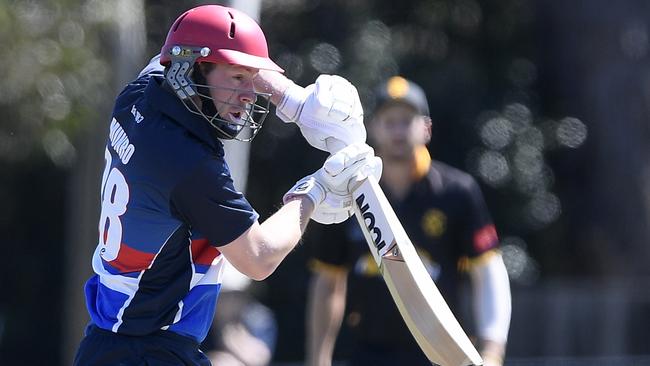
(219, 35)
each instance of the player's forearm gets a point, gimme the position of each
(272, 82)
(282, 231)
(325, 309)
(258, 252)
(492, 306)
(290, 220)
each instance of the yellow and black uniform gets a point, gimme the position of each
(445, 216)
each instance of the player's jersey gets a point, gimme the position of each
(445, 217)
(168, 203)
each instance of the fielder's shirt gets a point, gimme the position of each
(445, 217)
(168, 203)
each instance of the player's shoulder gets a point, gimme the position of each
(134, 112)
(450, 177)
(137, 86)
(164, 148)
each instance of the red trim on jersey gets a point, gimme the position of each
(203, 253)
(131, 260)
(485, 238)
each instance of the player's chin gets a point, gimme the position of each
(398, 152)
(398, 155)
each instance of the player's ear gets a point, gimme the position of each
(427, 128)
(201, 70)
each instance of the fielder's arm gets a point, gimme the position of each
(325, 309)
(492, 306)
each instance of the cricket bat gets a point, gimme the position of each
(423, 308)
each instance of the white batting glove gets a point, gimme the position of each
(328, 108)
(330, 187)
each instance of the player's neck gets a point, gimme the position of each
(400, 172)
(397, 176)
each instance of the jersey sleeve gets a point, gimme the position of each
(153, 66)
(328, 246)
(207, 200)
(479, 234)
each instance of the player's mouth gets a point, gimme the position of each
(236, 116)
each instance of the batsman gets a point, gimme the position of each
(171, 219)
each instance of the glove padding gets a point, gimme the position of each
(328, 108)
(330, 187)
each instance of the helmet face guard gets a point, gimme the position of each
(188, 83)
(246, 127)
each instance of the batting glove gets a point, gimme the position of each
(328, 108)
(330, 188)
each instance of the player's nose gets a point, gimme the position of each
(247, 97)
(247, 93)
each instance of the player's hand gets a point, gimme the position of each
(330, 187)
(492, 353)
(328, 108)
(492, 361)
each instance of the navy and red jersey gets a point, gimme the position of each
(168, 202)
(444, 215)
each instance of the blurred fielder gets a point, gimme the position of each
(444, 214)
(170, 216)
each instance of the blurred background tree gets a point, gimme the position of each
(63, 62)
(52, 79)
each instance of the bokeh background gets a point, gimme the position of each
(546, 103)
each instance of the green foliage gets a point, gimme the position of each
(52, 76)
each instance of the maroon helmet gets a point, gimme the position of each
(220, 35)
(230, 35)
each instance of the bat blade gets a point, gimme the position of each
(419, 301)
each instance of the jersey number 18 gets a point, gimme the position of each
(115, 197)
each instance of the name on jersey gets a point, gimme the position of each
(120, 142)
